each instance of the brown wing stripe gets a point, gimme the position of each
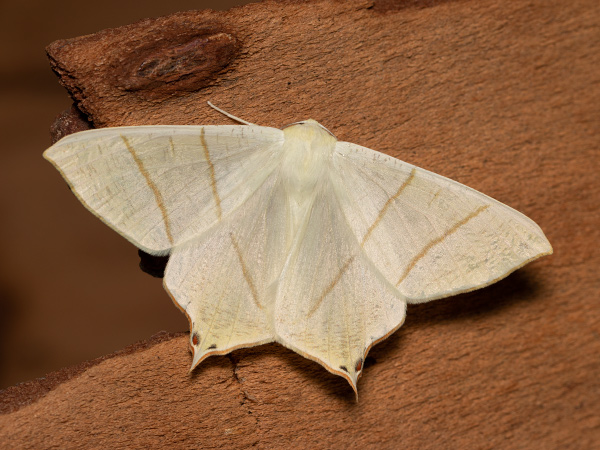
(171, 148)
(343, 269)
(157, 195)
(387, 205)
(213, 180)
(329, 288)
(245, 272)
(439, 239)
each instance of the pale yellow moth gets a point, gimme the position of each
(291, 235)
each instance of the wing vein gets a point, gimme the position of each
(245, 271)
(153, 188)
(213, 180)
(439, 239)
(387, 204)
(333, 283)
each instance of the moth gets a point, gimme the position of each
(290, 235)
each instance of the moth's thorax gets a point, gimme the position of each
(307, 149)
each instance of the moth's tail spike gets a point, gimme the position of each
(354, 388)
(197, 359)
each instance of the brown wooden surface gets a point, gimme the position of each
(501, 96)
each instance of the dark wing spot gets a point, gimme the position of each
(195, 339)
(359, 365)
(344, 368)
(212, 346)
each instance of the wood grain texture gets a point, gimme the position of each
(501, 96)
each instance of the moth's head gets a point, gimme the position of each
(308, 130)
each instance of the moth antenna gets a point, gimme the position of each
(231, 116)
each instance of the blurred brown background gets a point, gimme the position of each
(63, 299)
